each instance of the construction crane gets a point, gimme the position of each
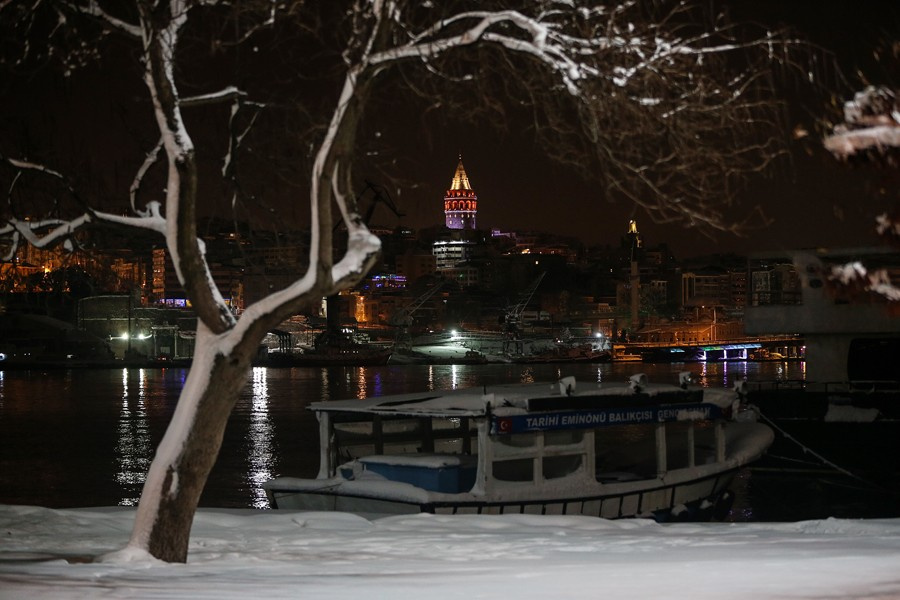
(513, 317)
(402, 318)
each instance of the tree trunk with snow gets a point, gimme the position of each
(188, 451)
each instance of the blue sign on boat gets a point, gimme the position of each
(589, 419)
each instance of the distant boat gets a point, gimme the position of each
(360, 356)
(565, 354)
(332, 348)
(608, 451)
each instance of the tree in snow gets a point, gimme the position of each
(670, 105)
(869, 134)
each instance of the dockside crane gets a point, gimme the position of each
(402, 319)
(513, 318)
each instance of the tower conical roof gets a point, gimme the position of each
(460, 179)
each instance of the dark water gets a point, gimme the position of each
(86, 437)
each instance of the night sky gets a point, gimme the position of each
(811, 199)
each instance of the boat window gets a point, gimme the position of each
(399, 447)
(519, 469)
(355, 436)
(704, 443)
(517, 440)
(563, 438)
(455, 446)
(677, 450)
(363, 428)
(559, 466)
(389, 426)
(449, 424)
(626, 451)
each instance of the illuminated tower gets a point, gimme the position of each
(634, 240)
(460, 201)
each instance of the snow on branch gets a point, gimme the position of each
(93, 9)
(659, 109)
(228, 93)
(539, 38)
(870, 133)
(871, 126)
(149, 161)
(45, 233)
(855, 278)
(26, 165)
(56, 231)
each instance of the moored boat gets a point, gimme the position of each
(611, 451)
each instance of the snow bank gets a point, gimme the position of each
(44, 554)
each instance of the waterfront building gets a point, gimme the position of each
(851, 333)
(167, 289)
(450, 253)
(414, 264)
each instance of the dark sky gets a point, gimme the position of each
(810, 198)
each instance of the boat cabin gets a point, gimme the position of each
(521, 437)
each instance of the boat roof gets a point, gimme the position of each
(509, 399)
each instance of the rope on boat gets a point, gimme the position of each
(806, 449)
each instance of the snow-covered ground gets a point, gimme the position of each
(248, 554)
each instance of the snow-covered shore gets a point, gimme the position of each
(48, 554)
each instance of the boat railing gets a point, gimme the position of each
(826, 387)
(776, 385)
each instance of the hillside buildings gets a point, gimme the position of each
(629, 290)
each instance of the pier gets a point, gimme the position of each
(750, 348)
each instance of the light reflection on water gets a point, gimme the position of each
(133, 450)
(99, 429)
(362, 391)
(261, 434)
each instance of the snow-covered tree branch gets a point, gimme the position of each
(869, 134)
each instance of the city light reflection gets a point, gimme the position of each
(133, 446)
(325, 395)
(260, 437)
(454, 376)
(361, 384)
(377, 384)
(527, 376)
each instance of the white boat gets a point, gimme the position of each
(610, 451)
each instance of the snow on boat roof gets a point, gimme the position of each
(473, 401)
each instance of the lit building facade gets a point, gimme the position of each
(460, 201)
(450, 253)
(168, 291)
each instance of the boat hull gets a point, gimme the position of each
(695, 499)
